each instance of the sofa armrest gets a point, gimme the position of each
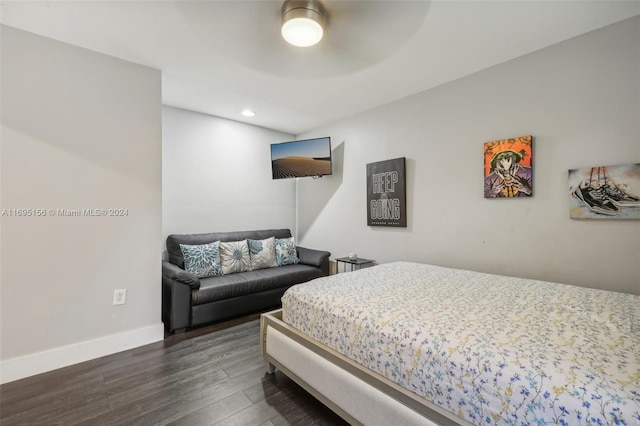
(175, 273)
(177, 285)
(317, 258)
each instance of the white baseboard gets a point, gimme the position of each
(30, 365)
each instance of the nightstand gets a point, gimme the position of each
(354, 264)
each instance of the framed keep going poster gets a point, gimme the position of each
(386, 193)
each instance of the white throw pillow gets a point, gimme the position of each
(234, 256)
(263, 253)
(286, 253)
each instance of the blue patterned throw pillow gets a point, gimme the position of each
(263, 253)
(286, 253)
(202, 260)
(234, 257)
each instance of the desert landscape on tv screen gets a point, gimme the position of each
(312, 158)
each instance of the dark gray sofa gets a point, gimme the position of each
(188, 301)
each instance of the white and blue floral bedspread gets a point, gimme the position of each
(488, 348)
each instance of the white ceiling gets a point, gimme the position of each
(220, 57)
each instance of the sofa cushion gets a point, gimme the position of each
(286, 251)
(263, 253)
(201, 260)
(174, 240)
(227, 286)
(234, 257)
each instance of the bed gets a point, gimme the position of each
(409, 343)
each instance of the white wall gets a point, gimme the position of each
(80, 130)
(581, 101)
(216, 176)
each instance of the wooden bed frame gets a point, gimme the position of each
(357, 394)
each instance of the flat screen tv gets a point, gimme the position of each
(309, 157)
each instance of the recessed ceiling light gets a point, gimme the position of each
(248, 113)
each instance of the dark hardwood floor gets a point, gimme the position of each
(209, 376)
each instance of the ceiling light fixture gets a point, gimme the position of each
(302, 22)
(248, 113)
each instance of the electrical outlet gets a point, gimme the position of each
(120, 296)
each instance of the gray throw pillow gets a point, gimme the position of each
(202, 260)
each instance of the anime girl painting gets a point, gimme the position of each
(508, 168)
